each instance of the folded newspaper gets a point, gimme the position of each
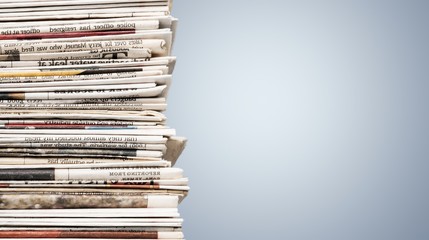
(84, 144)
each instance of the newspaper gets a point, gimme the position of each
(64, 201)
(14, 79)
(156, 61)
(78, 161)
(157, 46)
(143, 131)
(123, 106)
(78, 88)
(78, 187)
(32, 36)
(95, 183)
(20, 4)
(93, 212)
(91, 68)
(28, 163)
(134, 146)
(94, 234)
(148, 90)
(60, 152)
(87, 15)
(91, 100)
(94, 191)
(144, 116)
(83, 137)
(80, 26)
(165, 34)
(89, 222)
(115, 53)
(62, 137)
(82, 82)
(101, 173)
(58, 72)
(47, 12)
(166, 229)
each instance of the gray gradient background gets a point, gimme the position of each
(305, 119)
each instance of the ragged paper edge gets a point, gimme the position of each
(174, 22)
(170, 4)
(175, 147)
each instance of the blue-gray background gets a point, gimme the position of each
(305, 119)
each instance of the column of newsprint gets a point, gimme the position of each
(85, 151)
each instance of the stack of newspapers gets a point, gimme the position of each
(85, 152)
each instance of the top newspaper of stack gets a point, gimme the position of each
(88, 75)
(21, 10)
